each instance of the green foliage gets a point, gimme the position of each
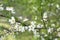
(30, 9)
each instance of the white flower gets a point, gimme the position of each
(55, 39)
(57, 5)
(53, 25)
(39, 26)
(50, 30)
(58, 29)
(45, 16)
(33, 22)
(17, 26)
(1, 8)
(25, 19)
(58, 34)
(22, 29)
(12, 20)
(26, 28)
(13, 12)
(20, 17)
(45, 35)
(9, 8)
(36, 34)
(0, 38)
(31, 28)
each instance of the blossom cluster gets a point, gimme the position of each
(32, 27)
(18, 27)
(10, 9)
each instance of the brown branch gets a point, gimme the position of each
(16, 20)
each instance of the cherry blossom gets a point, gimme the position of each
(12, 20)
